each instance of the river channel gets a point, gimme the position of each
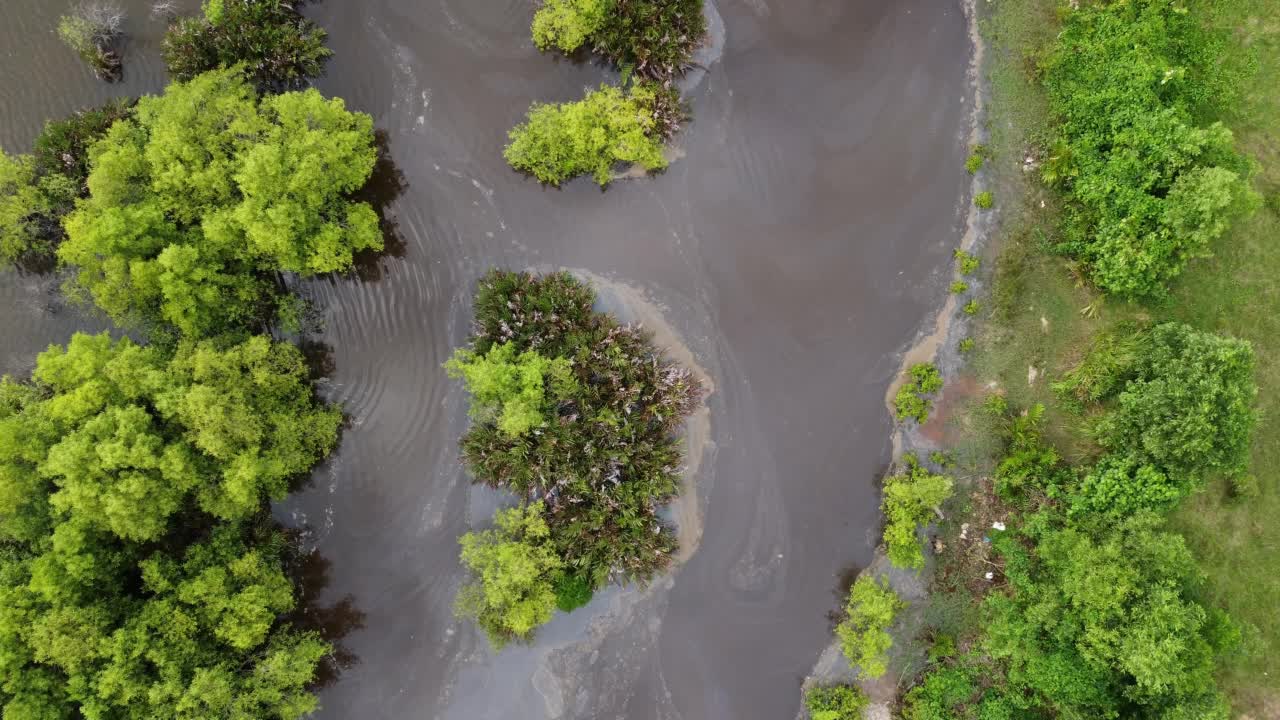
(795, 249)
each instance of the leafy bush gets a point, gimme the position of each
(515, 568)
(941, 693)
(909, 499)
(138, 577)
(567, 24)
(959, 287)
(275, 46)
(22, 207)
(864, 633)
(201, 198)
(1180, 399)
(972, 307)
(835, 702)
(561, 141)
(911, 400)
(573, 591)
(94, 30)
(984, 200)
(1028, 461)
(966, 345)
(1150, 189)
(656, 38)
(1101, 621)
(1121, 485)
(511, 391)
(973, 163)
(607, 457)
(967, 261)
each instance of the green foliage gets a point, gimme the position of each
(1150, 187)
(94, 30)
(560, 141)
(137, 577)
(835, 702)
(510, 391)
(968, 262)
(607, 456)
(1103, 620)
(567, 24)
(1028, 461)
(972, 307)
(864, 633)
(204, 195)
(940, 695)
(514, 567)
(1121, 485)
(656, 38)
(121, 438)
(22, 204)
(1186, 404)
(966, 345)
(973, 163)
(909, 499)
(37, 191)
(268, 40)
(984, 200)
(573, 591)
(912, 400)
(959, 287)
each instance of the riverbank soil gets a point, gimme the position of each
(1042, 318)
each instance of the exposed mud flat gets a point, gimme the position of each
(792, 250)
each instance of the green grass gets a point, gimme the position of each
(1043, 318)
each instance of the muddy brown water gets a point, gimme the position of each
(795, 248)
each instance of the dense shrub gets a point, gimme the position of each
(909, 499)
(123, 592)
(864, 633)
(606, 456)
(656, 38)
(912, 400)
(511, 391)
(276, 47)
(968, 263)
(23, 207)
(206, 193)
(94, 30)
(984, 200)
(593, 135)
(835, 702)
(567, 24)
(940, 695)
(1102, 620)
(1149, 186)
(37, 191)
(515, 567)
(1028, 461)
(1187, 403)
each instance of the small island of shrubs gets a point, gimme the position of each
(652, 42)
(577, 415)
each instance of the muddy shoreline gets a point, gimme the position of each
(936, 342)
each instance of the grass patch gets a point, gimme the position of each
(1044, 316)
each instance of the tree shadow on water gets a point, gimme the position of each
(333, 623)
(385, 185)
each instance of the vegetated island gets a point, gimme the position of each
(1105, 446)
(578, 416)
(652, 42)
(141, 575)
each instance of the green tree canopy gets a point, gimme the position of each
(864, 633)
(275, 46)
(1151, 185)
(515, 567)
(909, 499)
(567, 24)
(138, 578)
(208, 191)
(607, 127)
(511, 390)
